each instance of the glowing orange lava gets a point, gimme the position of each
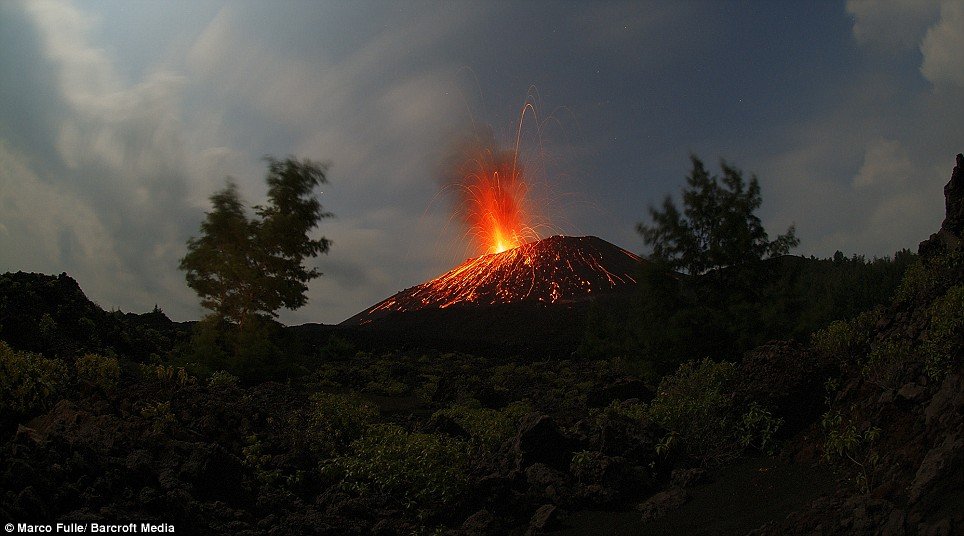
(492, 184)
(494, 197)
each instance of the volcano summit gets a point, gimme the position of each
(558, 269)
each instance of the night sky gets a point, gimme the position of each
(118, 120)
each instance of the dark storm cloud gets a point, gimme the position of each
(118, 119)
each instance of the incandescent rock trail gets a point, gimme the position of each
(558, 269)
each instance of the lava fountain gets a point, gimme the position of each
(491, 189)
(492, 197)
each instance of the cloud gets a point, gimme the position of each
(891, 201)
(118, 177)
(943, 47)
(885, 168)
(892, 24)
(381, 112)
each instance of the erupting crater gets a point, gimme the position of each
(558, 269)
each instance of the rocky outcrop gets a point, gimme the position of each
(912, 484)
(954, 200)
(948, 238)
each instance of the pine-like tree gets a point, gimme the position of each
(244, 268)
(718, 227)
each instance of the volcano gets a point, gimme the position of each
(556, 270)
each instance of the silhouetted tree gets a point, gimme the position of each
(247, 268)
(718, 227)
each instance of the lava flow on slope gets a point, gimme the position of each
(557, 269)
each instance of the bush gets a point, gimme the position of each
(222, 380)
(886, 362)
(336, 348)
(757, 427)
(929, 276)
(419, 472)
(336, 420)
(942, 342)
(167, 375)
(586, 465)
(489, 428)
(845, 341)
(696, 406)
(836, 340)
(848, 445)
(161, 417)
(28, 382)
(633, 411)
(97, 372)
(386, 386)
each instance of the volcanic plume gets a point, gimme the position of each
(558, 269)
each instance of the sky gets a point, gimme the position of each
(118, 120)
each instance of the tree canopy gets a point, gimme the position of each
(249, 267)
(718, 226)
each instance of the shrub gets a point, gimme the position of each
(489, 428)
(586, 465)
(260, 463)
(336, 348)
(386, 386)
(168, 375)
(336, 420)
(849, 445)
(695, 403)
(634, 411)
(696, 406)
(845, 341)
(222, 380)
(28, 382)
(161, 417)
(836, 340)
(420, 472)
(98, 372)
(757, 427)
(928, 276)
(942, 342)
(885, 364)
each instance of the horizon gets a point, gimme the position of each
(119, 120)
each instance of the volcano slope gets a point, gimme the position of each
(535, 296)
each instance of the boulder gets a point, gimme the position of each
(481, 523)
(539, 440)
(662, 503)
(542, 518)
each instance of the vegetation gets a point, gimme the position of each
(943, 342)
(852, 446)
(718, 226)
(337, 420)
(698, 407)
(370, 436)
(415, 471)
(28, 383)
(98, 372)
(245, 269)
(488, 428)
